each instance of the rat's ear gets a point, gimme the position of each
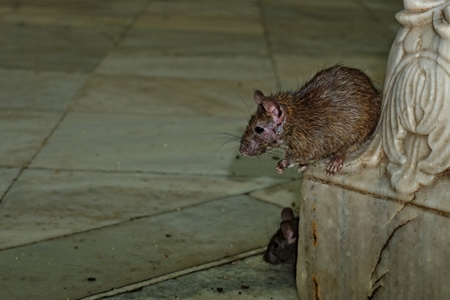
(259, 97)
(270, 106)
(274, 109)
(287, 214)
(288, 232)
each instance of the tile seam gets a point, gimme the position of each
(173, 275)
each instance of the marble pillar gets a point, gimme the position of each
(380, 229)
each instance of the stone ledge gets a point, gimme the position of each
(358, 246)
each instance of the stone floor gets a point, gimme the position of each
(119, 170)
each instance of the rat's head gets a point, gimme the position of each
(265, 128)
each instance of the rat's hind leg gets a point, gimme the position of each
(335, 164)
(302, 168)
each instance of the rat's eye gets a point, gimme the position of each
(259, 130)
(275, 245)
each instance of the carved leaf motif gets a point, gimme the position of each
(414, 126)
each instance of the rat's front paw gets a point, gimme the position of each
(282, 164)
(280, 169)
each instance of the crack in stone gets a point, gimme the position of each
(398, 211)
(374, 286)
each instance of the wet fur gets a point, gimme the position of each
(333, 114)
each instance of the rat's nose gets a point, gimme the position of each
(243, 150)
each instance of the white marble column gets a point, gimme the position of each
(381, 228)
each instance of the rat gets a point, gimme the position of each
(282, 248)
(330, 116)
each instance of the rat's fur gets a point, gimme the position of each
(332, 115)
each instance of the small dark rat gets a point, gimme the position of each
(332, 115)
(282, 247)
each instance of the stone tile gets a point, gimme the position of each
(45, 90)
(284, 195)
(45, 204)
(97, 9)
(313, 30)
(171, 33)
(232, 8)
(5, 9)
(251, 278)
(295, 70)
(6, 178)
(99, 260)
(70, 36)
(324, 9)
(165, 145)
(128, 62)
(23, 134)
(54, 48)
(384, 11)
(64, 16)
(169, 97)
(183, 42)
(373, 41)
(201, 24)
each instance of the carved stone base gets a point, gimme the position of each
(383, 230)
(369, 245)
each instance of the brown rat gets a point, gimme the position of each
(282, 247)
(332, 115)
